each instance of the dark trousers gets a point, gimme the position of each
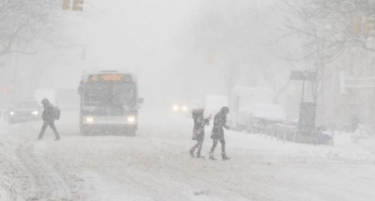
(215, 141)
(200, 140)
(50, 124)
(198, 146)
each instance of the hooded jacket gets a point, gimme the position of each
(48, 112)
(220, 122)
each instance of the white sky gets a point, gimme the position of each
(135, 33)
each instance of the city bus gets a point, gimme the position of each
(109, 102)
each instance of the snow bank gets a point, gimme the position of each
(344, 150)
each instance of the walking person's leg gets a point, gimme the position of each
(53, 127)
(222, 142)
(215, 141)
(44, 127)
(223, 154)
(192, 150)
(200, 145)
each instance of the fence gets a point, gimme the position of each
(286, 132)
(279, 132)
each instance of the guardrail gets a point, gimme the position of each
(279, 132)
(286, 132)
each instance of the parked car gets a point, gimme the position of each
(264, 115)
(24, 110)
(243, 101)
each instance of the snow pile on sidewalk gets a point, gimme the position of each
(345, 141)
(344, 150)
(10, 169)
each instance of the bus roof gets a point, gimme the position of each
(98, 72)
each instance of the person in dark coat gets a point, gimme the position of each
(48, 117)
(220, 122)
(198, 132)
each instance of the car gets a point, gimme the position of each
(264, 115)
(184, 108)
(180, 108)
(24, 110)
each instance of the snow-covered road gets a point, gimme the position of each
(155, 165)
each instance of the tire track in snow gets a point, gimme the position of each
(46, 184)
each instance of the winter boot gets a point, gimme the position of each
(212, 156)
(191, 152)
(199, 155)
(225, 157)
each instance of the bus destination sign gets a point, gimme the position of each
(110, 78)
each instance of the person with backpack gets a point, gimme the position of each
(220, 122)
(198, 131)
(49, 115)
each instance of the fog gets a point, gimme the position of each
(173, 46)
(187, 100)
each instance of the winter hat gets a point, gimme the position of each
(45, 101)
(224, 110)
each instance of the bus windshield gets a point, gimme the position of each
(109, 94)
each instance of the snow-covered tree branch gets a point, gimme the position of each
(331, 26)
(25, 23)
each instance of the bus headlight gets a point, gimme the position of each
(175, 108)
(89, 119)
(35, 113)
(131, 119)
(12, 113)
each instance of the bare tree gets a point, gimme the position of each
(330, 26)
(233, 37)
(25, 23)
(332, 31)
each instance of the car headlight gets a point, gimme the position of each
(175, 108)
(131, 119)
(184, 108)
(12, 113)
(89, 119)
(35, 113)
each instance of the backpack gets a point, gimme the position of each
(56, 113)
